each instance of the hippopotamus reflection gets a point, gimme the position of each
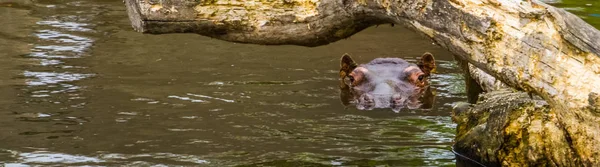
(386, 83)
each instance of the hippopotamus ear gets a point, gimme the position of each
(427, 63)
(346, 66)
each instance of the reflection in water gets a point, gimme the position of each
(94, 93)
(425, 101)
(387, 142)
(53, 78)
(70, 26)
(41, 157)
(53, 158)
(54, 45)
(208, 97)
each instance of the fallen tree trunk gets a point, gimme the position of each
(527, 45)
(510, 129)
(477, 81)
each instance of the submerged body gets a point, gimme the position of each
(385, 82)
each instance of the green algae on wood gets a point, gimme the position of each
(510, 129)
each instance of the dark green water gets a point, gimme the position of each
(588, 10)
(79, 87)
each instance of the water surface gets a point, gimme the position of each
(79, 87)
(588, 10)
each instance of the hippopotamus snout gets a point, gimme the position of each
(385, 94)
(395, 101)
(386, 82)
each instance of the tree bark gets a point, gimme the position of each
(510, 129)
(527, 45)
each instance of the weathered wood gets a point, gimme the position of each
(510, 129)
(485, 80)
(298, 22)
(477, 81)
(527, 45)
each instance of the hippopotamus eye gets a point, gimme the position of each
(421, 77)
(351, 79)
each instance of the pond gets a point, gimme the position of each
(79, 87)
(588, 10)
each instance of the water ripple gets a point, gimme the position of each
(71, 26)
(47, 157)
(46, 78)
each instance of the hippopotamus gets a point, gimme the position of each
(386, 82)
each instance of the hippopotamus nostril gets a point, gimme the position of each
(397, 100)
(366, 102)
(367, 98)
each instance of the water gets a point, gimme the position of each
(588, 10)
(79, 88)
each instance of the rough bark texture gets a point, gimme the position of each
(298, 22)
(510, 129)
(527, 45)
(477, 81)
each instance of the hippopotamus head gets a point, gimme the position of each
(385, 82)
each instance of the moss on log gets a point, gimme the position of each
(510, 129)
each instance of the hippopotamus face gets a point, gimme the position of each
(385, 82)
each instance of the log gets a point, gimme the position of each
(511, 129)
(478, 81)
(527, 45)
